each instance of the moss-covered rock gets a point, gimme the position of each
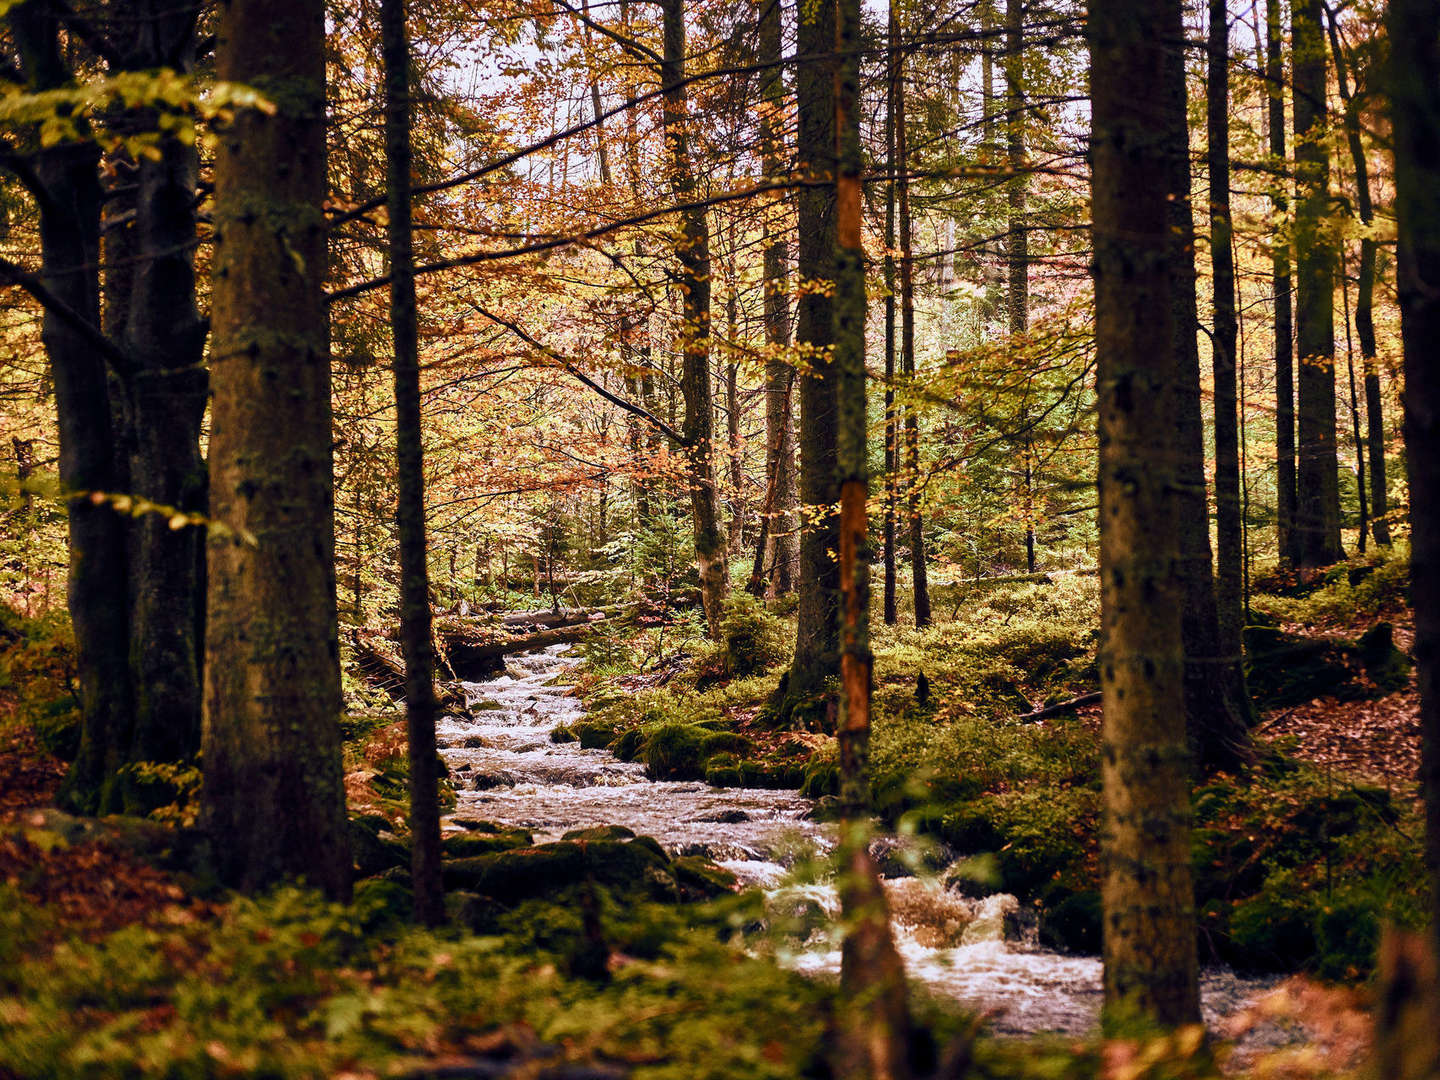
(626, 867)
(676, 752)
(629, 745)
(373, 848)
(820, 775)
(1071, 921)
(601, 832)
(563, 734)
(723, 770)
(727, 742)
(1387, 667)
(702, 877)
(467, 844)
(593, 734)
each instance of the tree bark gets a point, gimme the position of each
(1217, 707)
(1414, 78)
(914, 511)
(1317, 484)
(1365, 299)
(274, 799)
(817, 640)
(875, 1014)
(1280, 285)
(1018, 242)
(1149, 950)
(66, 188)
(693, 255)
(891, 612)
(1229, 543)
(415, 641)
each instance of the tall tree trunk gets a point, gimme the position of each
(693, 254)
(1354, 404)
(1414, 78)
(732, 417)
(1365, 297)
(1217, 708)
(1317, 483)
(914, 512)
(1229, 544)
(892, 426)
(274, 798)
(874, 1013)
(1280, 288)
(67, 190)
(1018, 244)
(415, 641)
(1150, 951)
(817, 640)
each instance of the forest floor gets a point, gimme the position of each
(118, 956)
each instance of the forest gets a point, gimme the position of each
(589, 539)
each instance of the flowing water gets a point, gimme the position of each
(507, 770)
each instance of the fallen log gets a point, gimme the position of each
(551, 619)
(474, 658)
(1060, 707)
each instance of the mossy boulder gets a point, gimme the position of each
(1071, 921)
(373, 848)
(600, 832)
(702, 877)
(1286, 669)
(629, 868)
(820, 775)
(629, 745)
(563, 734)
(723, 770)
(727, 742)
(467, 844)
(676, 752)
(1387, 667)
(593, 734)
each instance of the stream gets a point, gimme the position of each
(507, 770)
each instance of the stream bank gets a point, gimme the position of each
(977, 952)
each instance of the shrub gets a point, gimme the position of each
(753, 639)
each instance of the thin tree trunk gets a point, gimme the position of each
(415, 640)
(1281, 290)
(1229, 553)
(874, 1013)
(1415, 95)
(1317, 484)
(1150, 949)
(1354, 405)
(1018, 243)
(1365, 299)
(817, 629)
(693, 254)
(892, 427)
(914, 512)
(1217, 708)
(274, 798)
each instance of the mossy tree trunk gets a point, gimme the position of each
(274, 800)
(892, 424)
(1149, 938)
(817, 630)
(415, 641)
(875, 1015)
(1414, 77)
(1317, 483)
(692, 250)
(1018, 242)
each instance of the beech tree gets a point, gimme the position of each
(274, 801)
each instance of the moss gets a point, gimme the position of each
(723, 770)
(727, 742)
(563, 734)
(675, 752)
(821, 775)
(630, 745)
(593, 734)
(601, 832)
(467, 844)
(702, 876)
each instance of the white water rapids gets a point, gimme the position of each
(513, 774)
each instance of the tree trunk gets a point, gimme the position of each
(1018, 242)
(415, 642)
(1415, 93)
(274, 799)
(1217, 708)
(1281, 290)
(66, 187)
(693, 254)
(1317, 484)
(920, 586)
(817, 630)
(1365, 299)
(874, 1014)
(892, 426)
(1150, 950)
(1229, 547)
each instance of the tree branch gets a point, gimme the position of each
(16, 275)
